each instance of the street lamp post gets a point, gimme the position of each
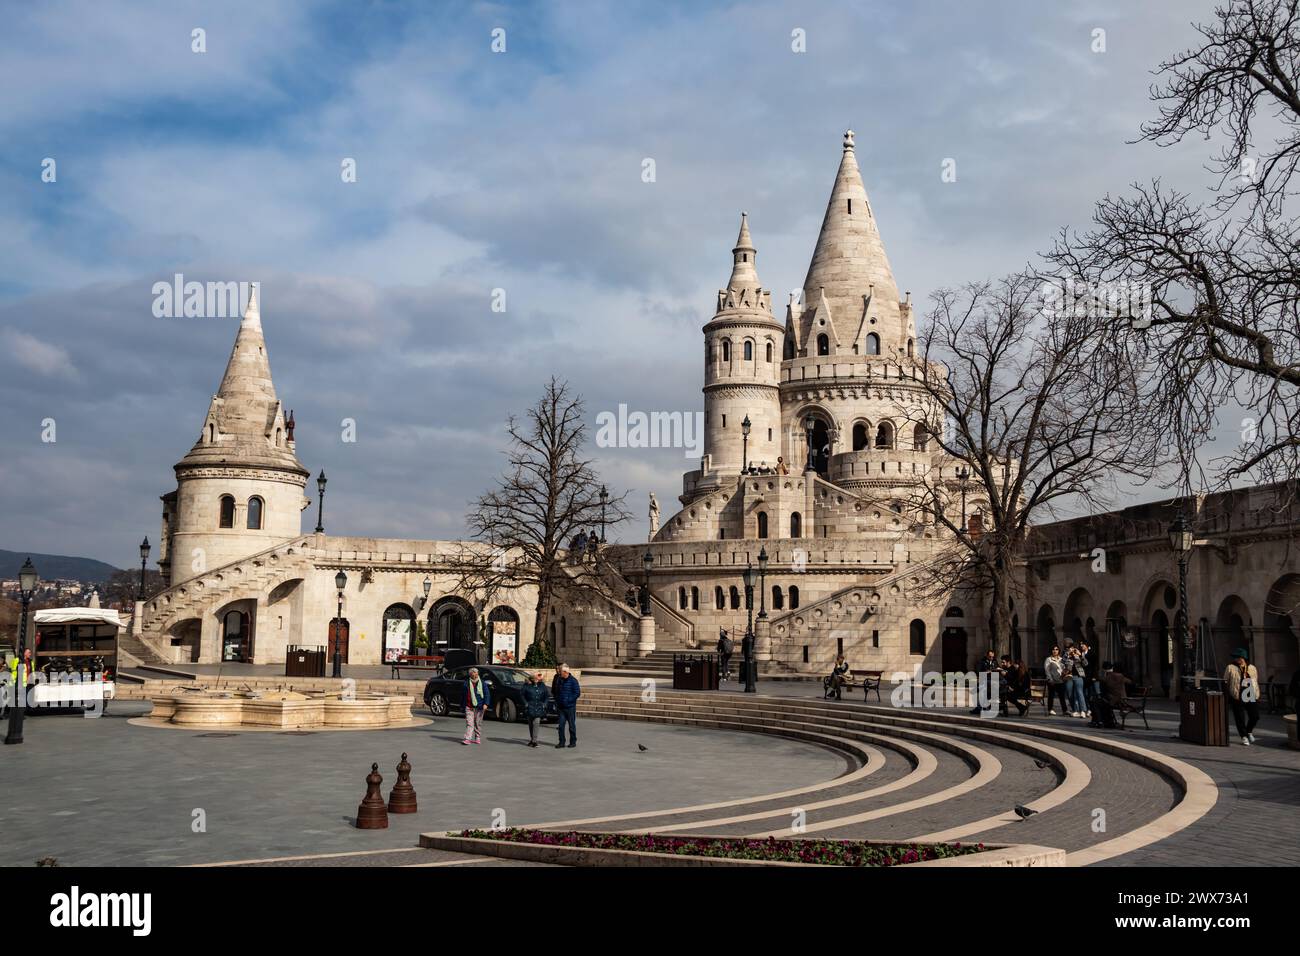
(1180, 540)
(747, 646)
(809, 424)
(27, 580)
(340, 582)
(604, 500)
(744, 444)
(963, 476)
(144, 558)
(320, 502)
(762, 584)
(647, 562)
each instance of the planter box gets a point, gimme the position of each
(992, 855)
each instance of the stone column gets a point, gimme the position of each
(762, 640)
(809, 524)
(645, 630)
(137, 619)
(209, 639)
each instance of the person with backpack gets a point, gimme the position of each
(726, 647)
(1242, 683)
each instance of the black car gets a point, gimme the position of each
(445, 693)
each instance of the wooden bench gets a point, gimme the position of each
(868, 680)
(418, 662)
(1038, 692)
(1135, 703)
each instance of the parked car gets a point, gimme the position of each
(445, 693)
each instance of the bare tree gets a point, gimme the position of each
(548, 495)
(1038, 407)
(1221, 276)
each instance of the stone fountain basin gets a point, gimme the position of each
(285, 710)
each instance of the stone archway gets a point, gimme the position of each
(1280, 644)
(1231, 630)
(237, 631)
(451, 624)
(503, 629)
(187, 633)
(1045, 629)
(1078, 612)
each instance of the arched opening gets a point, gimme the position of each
(726, 351)
(695, 599)
(1231, 630)
(910, 347)
(1045, 631)
(769, 351)
(788, 349)
(921, 438)
(821, 444)
(735, 598)
(778, 598)
(1158, 609)
(451, 624)
(1280, 646)
(254, 514)
(796, 525)
(503, 625)
(794, 597)
(823, 344)
(719, 599)
(681, 599)
(227, 511)
(1078, 610)
(860, 436)
(762, 524)
(885, 435)
(873, 343)
(916, 637)
(237, 633)
(749, 351)
(399, 626)
(955, 652)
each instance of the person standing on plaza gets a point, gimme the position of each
(988, 666)
(1242, 683)
(1074, 671)
(566, 691)
(725, 649)
(1054, 669)
(535, 696)
(477, 699)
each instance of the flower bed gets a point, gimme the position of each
(816, 852)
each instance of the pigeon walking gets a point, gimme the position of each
(642, 747)
(1024, 812)
(1041, 764)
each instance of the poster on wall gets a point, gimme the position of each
(503, 642)
(397, 638)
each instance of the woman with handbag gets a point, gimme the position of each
(1242, 683)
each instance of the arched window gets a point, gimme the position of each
(794, 598)
(860, 439)
(695, 599)
(769, 351)
(762, 524)
(789, 348)
(735, 598)
(254, 514)
(278, 432)
(778, 598)
(823, 344)
(916, 637)
(885, 435)
(681, 599)
(909, 348)
(227, 511)
(873, 343)
(398, 632)
(726, 350)
(921, 438)
(796, 525)
(719, 598)
(749, 351)
(212, 433)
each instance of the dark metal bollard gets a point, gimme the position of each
(402, 797)
(372, 814)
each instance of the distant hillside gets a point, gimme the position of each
(51, 566)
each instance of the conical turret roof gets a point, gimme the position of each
(245, 421)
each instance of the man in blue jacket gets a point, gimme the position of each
(566, 692)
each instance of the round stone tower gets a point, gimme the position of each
(240, 488)
(742, 369)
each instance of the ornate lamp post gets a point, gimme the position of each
(809, 423)
(1180, 540)
(604, 500)
(144, 558)
(428, 584)
(647, 562)
(963, 476)
(762, 584)
(27, 581)
(744, 439)
(340, 582)
(320, 502)
(747, 646)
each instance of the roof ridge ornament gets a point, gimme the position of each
(848, 139)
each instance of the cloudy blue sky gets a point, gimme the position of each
(479, 170)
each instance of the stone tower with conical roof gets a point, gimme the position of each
(742, 366)
(240, 488)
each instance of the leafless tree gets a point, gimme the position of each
(1220, 276)
(1039, 408)
(548, 495)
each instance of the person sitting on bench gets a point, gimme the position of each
(1016, 688)
(1114, 691)
(837, 678)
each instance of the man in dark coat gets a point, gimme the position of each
(566, 691)
(535, 697)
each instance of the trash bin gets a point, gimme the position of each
(304, 660)
(1203, 717)
(695, 672)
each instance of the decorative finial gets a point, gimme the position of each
(848, 139)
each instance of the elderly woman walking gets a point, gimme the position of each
(535, 696)
(477, 699)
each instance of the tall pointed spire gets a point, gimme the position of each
(849, 267)
(743, 273)
(245, 422)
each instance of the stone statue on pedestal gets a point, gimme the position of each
(654, 517)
